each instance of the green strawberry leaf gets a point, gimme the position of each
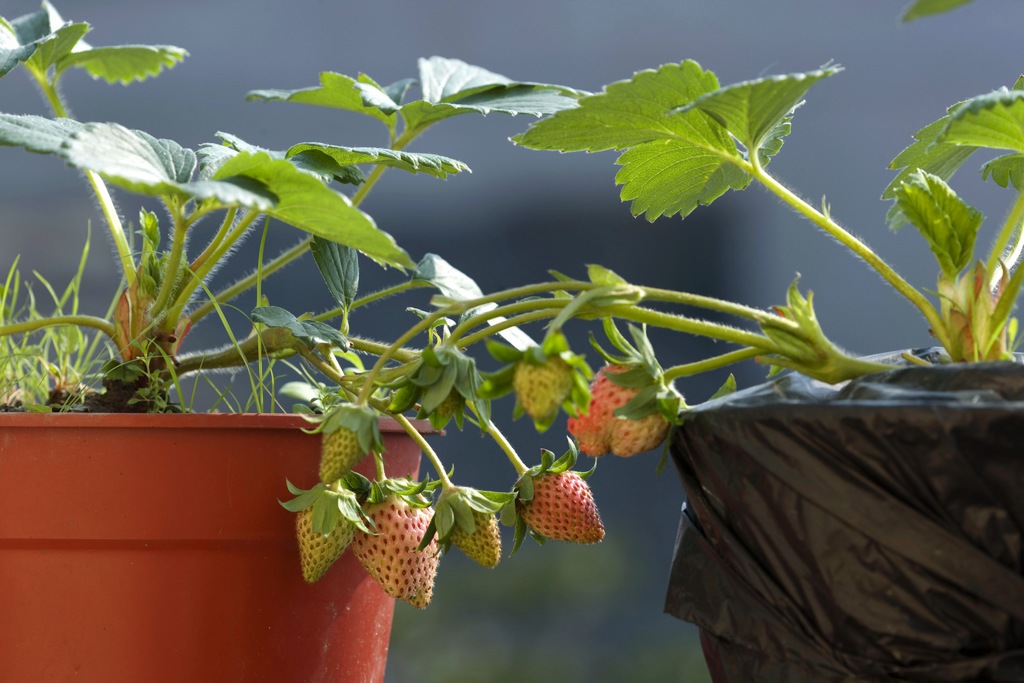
(994, 120)
(36, 133)
(665, 179)
(947, 222)
(311, 161)
(44, 40)
(56, 47)
(675, 159)
(12, 52)
(310, 332)
(451, 87)
(929, 154)
(633, 112)
(306, 203)
(386, 98)
(133, 160)
(753, 111)
(336, 91)
(124, 63)
(39, 39)
(339, 267)
(937, 151)
(431, 164)
(1005, 171)
(434, 271)
(925, 8)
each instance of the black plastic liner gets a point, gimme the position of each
(871, 532)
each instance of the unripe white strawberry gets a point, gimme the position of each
(339, 453)
(318, 552)
(542, 387)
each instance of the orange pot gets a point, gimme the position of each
(152, 548)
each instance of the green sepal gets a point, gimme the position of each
(523, 490)
(455, 508)
(360, 419)
(330, 506)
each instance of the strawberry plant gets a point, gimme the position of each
(684, 141)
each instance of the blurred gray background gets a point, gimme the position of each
(556, 613)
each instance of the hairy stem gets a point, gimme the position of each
(1009, 243)
(830, 227)
(99, 188)
(94, 322)
(706, 365)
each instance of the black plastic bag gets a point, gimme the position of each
(869, 533)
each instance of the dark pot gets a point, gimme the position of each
(872, 532)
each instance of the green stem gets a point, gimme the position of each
(404, 355)
(708, 364)
(371, 298)
(216, 240)
(700, 328)
(99, 188)
(503, 443)
(94, 322)
(520, 312)
(515, 321)
(1001, 250)
(420, 441)
(171, 275)
(371, 180)
(245, 283)
(860, 249)
(706, 302)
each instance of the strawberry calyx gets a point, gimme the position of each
(458, 513)
(636, 367)
(360, 419)
(331, 505)
(544, 378)
(439, 384)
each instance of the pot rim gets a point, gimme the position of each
(272, 421)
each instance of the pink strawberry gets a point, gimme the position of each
(390, 555)
(599, 431)
(562, 508)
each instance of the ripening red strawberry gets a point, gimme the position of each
(599, 431)
(339, 453)
(391, 557)
(483, 546)
(318, 552)
(542, 387)
(562, 508)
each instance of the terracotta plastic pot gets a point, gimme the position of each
(152, 548)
